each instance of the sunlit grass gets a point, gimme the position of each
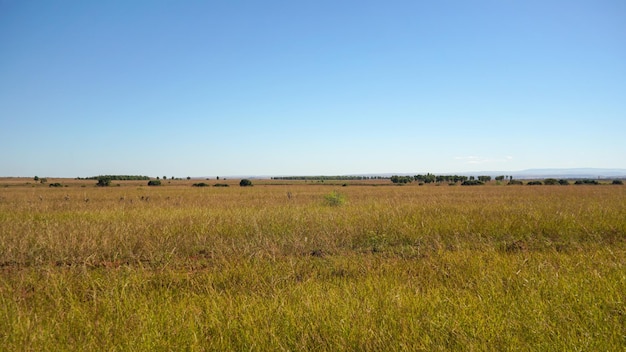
(276, 267)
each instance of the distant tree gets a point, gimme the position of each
(617, 182)
(245, 183)
(401, 179)
(499, 178)
(484, 178)
(154, 183)
(103, 181)
(188, 178)
(534, 183)
(563, 182)
(165, 177)
(36, 178)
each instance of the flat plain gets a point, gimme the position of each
(294, 265)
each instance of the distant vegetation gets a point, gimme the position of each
(329, 178)
(154, 183)
(586, 182)
(103, 181)
(245, 183)
(117, 178)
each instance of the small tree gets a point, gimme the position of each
(154, 183)
(245, 183)
(36, 178)
(103, 181)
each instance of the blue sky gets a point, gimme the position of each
(214, 88)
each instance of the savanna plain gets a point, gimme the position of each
(294, 265)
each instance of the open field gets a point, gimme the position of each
(293, 266)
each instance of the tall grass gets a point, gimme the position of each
(274, 267)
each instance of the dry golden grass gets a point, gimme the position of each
(279, 267)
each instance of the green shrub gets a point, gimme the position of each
(550, 181)
(515, 182)
(334, 199)
(534, 183)
(587, 182)
(154, 183)
(245, 183)
(103, 181)
(220, 185)
(56, 184)
(201, 184)
(472, 183)
(563, 182)
(617, 182)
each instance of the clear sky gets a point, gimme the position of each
(217, 88)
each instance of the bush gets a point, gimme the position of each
(103, 182)
(245, 183)
(220, 185)
(586, 182)
(472, 183)
(534, 183)
(515, 182)
(563, 182)
(201, 184)
(550, 181)
(154, 183)
(56, 184)
(334, 199)
(617, 182)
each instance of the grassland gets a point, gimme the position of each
(283, 267)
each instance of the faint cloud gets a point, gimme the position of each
(475, 160)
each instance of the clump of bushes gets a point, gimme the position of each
(550, 181)
(245, 183)
(472, 183)
(563, 182)
(220, 185)
(334, 199)
(534, 183)
(401, 179)
(617, 182)
(515, 182)
(103, 181)
(56, 184)
(154, 183)
(587, 182)
(201, 184)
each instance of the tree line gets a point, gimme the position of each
(117, 177)
(328, 178)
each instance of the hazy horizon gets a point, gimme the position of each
(310, 88)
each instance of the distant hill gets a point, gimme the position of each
(574, 173)
(570, 173)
